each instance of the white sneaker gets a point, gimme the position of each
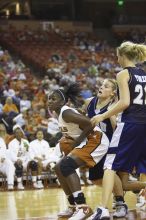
(89, 182)
(101, 213)
(57, 182)
(121, 210)
(82, 212)
(40, 184)
(82, 182)
(68, 212)
(10, 187)
(35, 185)
(20, 186)
(132, 178)
(141, 200)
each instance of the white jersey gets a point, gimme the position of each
(18, 150)
(39, 149)
(88, 150)
(69, 129)
(2, 149)
(6, 165)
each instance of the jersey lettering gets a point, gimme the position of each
(141, 97)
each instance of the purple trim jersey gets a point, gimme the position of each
(136, 111)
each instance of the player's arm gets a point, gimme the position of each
(113, 118)
(84, 123)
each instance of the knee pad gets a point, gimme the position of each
(68, 166)
(33, 165)
(19, 170)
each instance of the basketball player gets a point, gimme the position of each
(88, 147)
(128, 142)
(6, 165)
(97, 105)
(105, 98)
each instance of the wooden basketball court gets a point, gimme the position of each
(45, 204)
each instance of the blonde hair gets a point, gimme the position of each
(114, 84)
(134, 52)
(114, 88)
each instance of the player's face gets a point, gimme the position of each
(40, 135)
(106, 90)
(55, 102)
(120, 59)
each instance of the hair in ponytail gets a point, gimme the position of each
(72, 93)
(134, 52)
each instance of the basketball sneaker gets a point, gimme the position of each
(121, 210)
(40, 184)
(100, 214)
(10, 187)
(82, 212)
(68, 212)
(20, 186)
(141, 200)
(35, 185)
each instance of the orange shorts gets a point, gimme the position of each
(65, 145)
(93, 151)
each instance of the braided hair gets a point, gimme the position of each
(71, 92)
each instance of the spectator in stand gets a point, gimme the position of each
(85, 92)
(56, 56)
(72, 56)
(42, 119)
(25, 102)
(37, 103)
(31, 124)
(53, 85)
(10, 108)
(21, 119)
(53, 131)
(8, 92)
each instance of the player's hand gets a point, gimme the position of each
(97, 119)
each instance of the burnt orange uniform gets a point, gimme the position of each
(91, 150)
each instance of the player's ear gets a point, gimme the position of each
(62, 102)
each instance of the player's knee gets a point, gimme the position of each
(68, 166)
(18, 170)
(33, 165)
